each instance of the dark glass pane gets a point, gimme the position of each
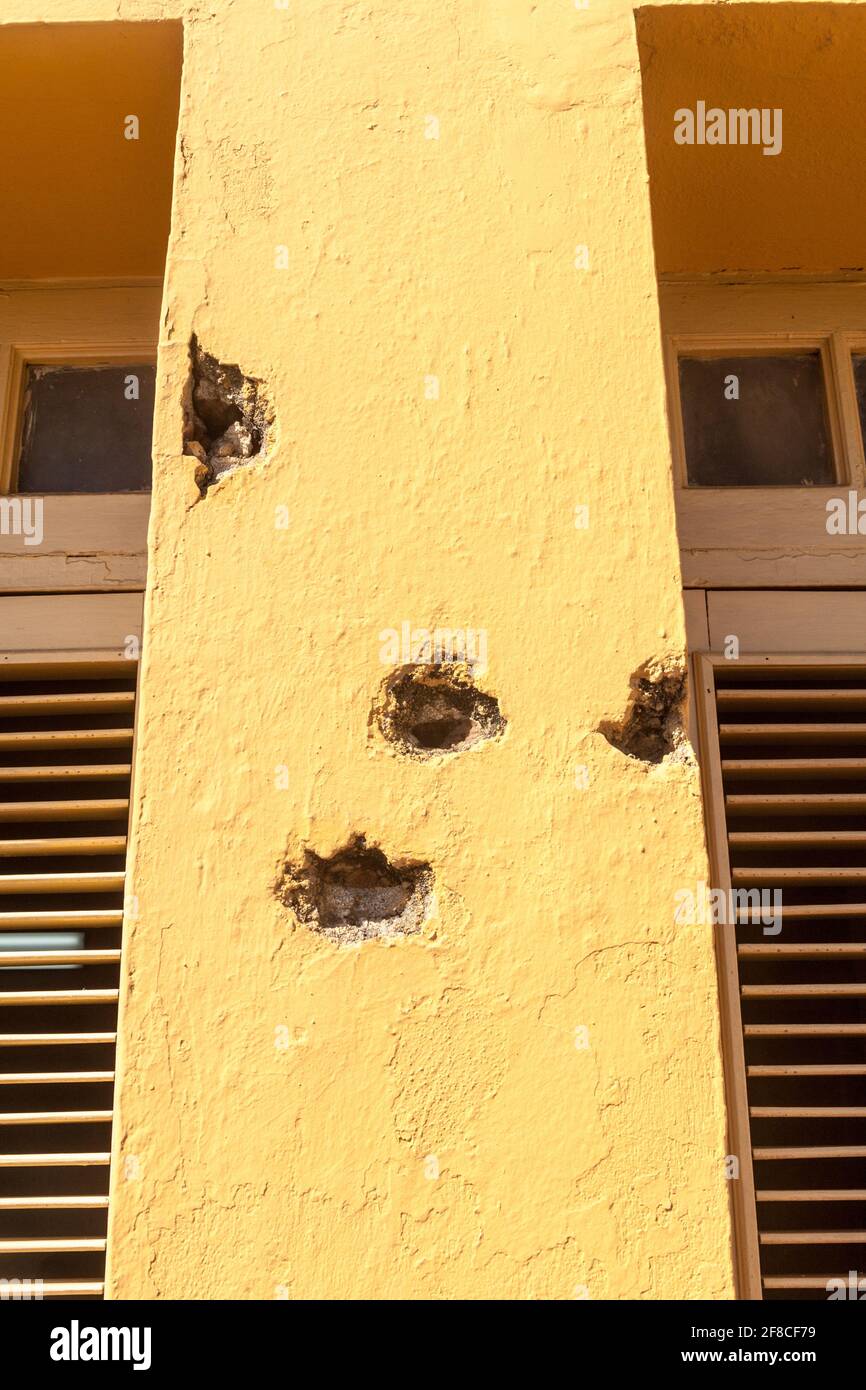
(755, 421)
(82, 433)
(859, 363)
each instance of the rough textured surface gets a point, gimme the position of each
(425, 711)
(226, 419)
(652, 727)
(414, 1119)
(357, 894)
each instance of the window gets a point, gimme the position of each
(859, 364)
(757, 420)
(79, 411)
(766, 385)
(86, 428)
(77, 378)
(767, 413)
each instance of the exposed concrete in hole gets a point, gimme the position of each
(429, 709)
(225, 419)
(357, 893)
(652, 728)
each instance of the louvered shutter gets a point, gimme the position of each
(785, 765)
(65, 753)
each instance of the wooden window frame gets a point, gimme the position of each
(93, 540)
(102, 622)
(768, 537)
(846, 452)
(20, 356)
(747, 1258)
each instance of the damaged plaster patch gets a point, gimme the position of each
(430, 709)
(226, 419)
(357, 893)
(652, 728)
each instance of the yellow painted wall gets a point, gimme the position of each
(243, 1170)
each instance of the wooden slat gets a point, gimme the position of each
(108, 881)
(65, 845)
(105, 808)
(48, 739)
(783, 768)
(87, 702)
(792, 733)
(74, 1244)
(811, 1069)
(813, 1237)
(808, 1112)
(45, 997)
(807, 991)
(54, 1078)
(55, 1117)
(772, 877)
(805, 1030)
(812, 1194)
(84, 1203)
(804, 1281)
(809, 950)
(806, 912)
(43, 958)
(52, 620)
(82, 772)
(71, 1288)
(56, 1039)
(46, 921)
(65, 1160)
(757, 540)
(810, 1153)
(75, 557)
(780, 697)
(796, 803)
(19, 662)
(797, 839)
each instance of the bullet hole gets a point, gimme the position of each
(226, 420)
(652, 727)
(429, 709)
(357, 893)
